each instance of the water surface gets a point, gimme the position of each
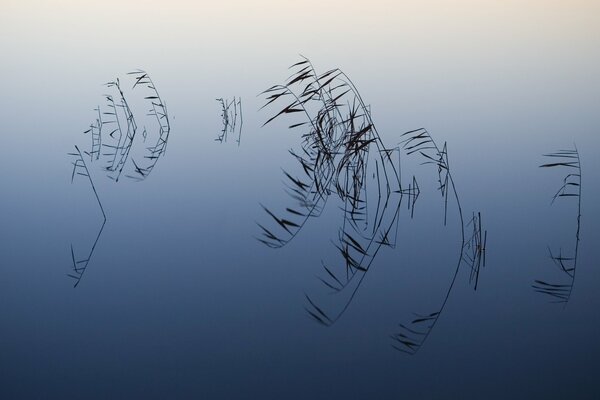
(181, 300)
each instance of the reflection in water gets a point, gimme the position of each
(474, 249)
(334, 152)
(412, 335)
(341, 155)
(117, 133)
(80, 266)
(571, 188)
(80, 168)
(158, 110)
(119, 153)
(95, 132)
(230, 118)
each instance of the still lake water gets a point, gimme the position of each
(181, 301)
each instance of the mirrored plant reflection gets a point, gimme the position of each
(568, 162)
(412, 334)
(342, 158)
(117, 141)
(231, 119)
(80, 264)
(115, 135)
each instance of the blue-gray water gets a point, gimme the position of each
(181, 301)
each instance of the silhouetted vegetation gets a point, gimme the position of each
(80, 169)
(560, 292)
(341, 155)
(114, 134)
(231, 117)
(114, 137)
(341, 152)
(411, 336)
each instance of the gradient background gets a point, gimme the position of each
(181, 301)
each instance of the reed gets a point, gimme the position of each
(96, 136)
(117, 135)
(231, 118)
(474, 249)
(333, 155)
(125, 141)
(80, 265)
(560, 292)
(113, 136)
(157, 110)
(341, 155)
(412, 335)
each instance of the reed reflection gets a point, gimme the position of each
(412, 334)
(560, 291)
(342, 157)
(80, 265)
(115, 136)
(114, 141)
(231, 118)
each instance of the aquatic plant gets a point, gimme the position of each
(336, 158)
(158, 110)
(567, 264)
(230, 118)
(474, 249)
(116, 133)
(96, 135)
(334, 148)
(113, 138)
(124, 143)
(80, 265)
(340, 153)
(411, 336)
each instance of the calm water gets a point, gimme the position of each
(181, 301)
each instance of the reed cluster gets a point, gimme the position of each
(560, 292)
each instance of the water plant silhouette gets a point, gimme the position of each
(341, 152)
(474, 254)
(336, 158)
(113, 138)
(96, 135)
(116, 133)
(230, 119)
(158, 110)
(571, 188)
(80, 265)
(411, 336)
(120, 151)
(334, 150)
